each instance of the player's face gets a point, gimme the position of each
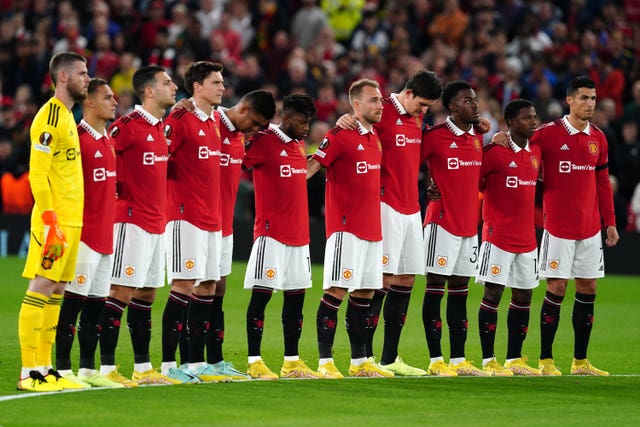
(249, 121)
(213, 88)
(583, 103)
(104, 102)
(165, 90)
(525, 123)
(370, 104)
(78, 81)
(296, 125)
(417, 105)
(465, 106)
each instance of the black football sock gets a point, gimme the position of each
(457, 319)
(215, 336)
(326, 322)
(198, 326)
(549, 320)
(139, 323)
(487, 321)
(517, 326)
(110, 329)
(89, 331)
(66, 331)
(395, 315)
(255, 318)
(374, 316)
(172, 324)
(582, 323)
(292, 320)
(356, 322)
(431, 317)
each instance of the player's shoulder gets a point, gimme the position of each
(178, 114)
(261, 135)
(551, 126)
(493, 148)
(435, 129)
(596, 130)
(81, 131)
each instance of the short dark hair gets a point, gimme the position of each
(513, 108)
(145, 77)
(578, 82)
(425, 84)
(95, 83)
(301, 104)
(355, 90)
(63, 60)
(260, 101)
(198, 71)
(452, 89)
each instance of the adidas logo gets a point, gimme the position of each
(513, 164)
(453, 145)
(201, 133)
(398, 122)
(150, 138)
(98, 154)
(564, 147)
(226, 141)
(360, 147)
(283, 153)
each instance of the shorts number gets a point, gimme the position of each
(474, 257)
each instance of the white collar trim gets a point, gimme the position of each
(456, 130)
(573, 131)
(94, 133)
(147, 115)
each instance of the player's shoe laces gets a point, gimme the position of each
(466, 369)
(297, 369)
(398, 367)
(259, 371)
(153, 377)
(369, 369)
(548, 368)
(207, 374)
(54, 377)
(329, 371)
(182, 376)
(98, 380)
(441, 369)
(36, 382)
(226, 369)
(494, 369)
(583, 367)
(519, 367)
(117, 377)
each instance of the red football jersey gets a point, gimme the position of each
(280, 186)
(577, 195)
(141, 166)
(352, 197)
(454, 158)
(99, 170)
(193, 177)
(232, 153)
(508, 179)
(400, 135)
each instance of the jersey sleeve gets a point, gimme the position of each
(254, 152)
(328, 150)
(603, 187)
(44, 141)
(120, 135)
(174, 133)
(488, 154)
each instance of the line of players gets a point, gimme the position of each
(372, 214)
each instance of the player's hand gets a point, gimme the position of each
(483, 125)
(433, 193)
(612, 236)
(185, 104)
(54, 241)
(501, 139)
(346, 121)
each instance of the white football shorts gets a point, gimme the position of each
(274, 265)
(505, 268)
(402, 245)
(447, 254)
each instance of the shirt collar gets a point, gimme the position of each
(147, 115)
(396, 103)
(572, 130)
(283, 136)
(201, 114)
(516, 148)
(224, 119)
(363, 130)
(456, 130)
(94, 133)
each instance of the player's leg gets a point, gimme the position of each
(374, 313)
(215, 337)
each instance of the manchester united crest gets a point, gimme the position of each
(347, 273)
(535, 162)
(81, 279)
(442, 261)
(47, 263)
(270, 273)
(495, 269)
(385, 259)
(477, 144)
(593, 148)
(189, 264)
(554, 264)
(129, 271)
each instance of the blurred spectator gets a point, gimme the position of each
(230, 37)
(633, 218)
(369, 38)
(307, 24)
(179, 22)
(101, 22)
(450, 24)
(154, 24)
(122, 80)
(297, 76)
(71, 40)
(326, 104)
(632, 108)
(315, 185)
(627, 159)
(104, 61)
(249, 74)
(241, 21)
(209, 16)
(344, 16)
(546, 105)
(620, 204)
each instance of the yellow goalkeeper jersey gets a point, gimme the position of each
(55, 167)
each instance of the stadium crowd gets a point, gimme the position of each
(506, 49)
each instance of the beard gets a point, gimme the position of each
(78, 94)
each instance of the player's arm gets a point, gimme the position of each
(347, 121)
(313, 166)
(605, 198)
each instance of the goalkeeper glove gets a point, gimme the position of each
(54, 241)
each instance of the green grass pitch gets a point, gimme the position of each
(562, 401)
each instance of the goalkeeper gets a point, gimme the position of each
(56, 222)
